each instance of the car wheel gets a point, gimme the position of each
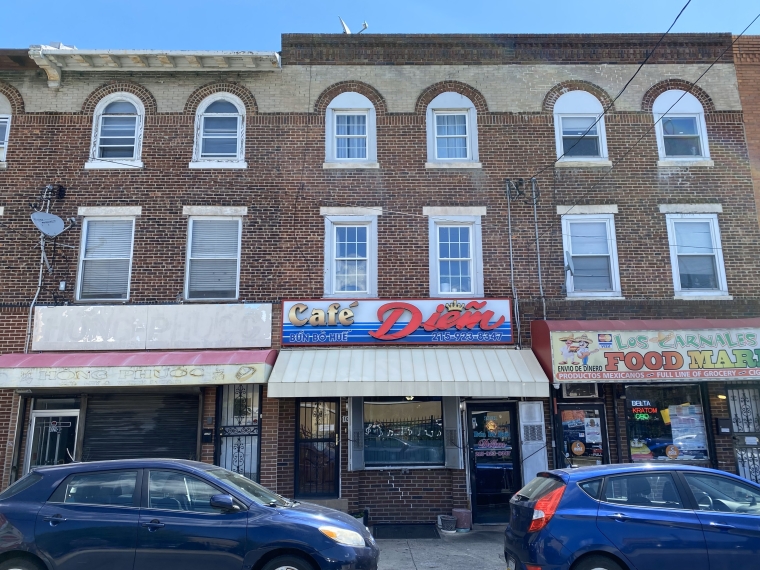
(597, 563)
(285, 563)
(20, 564)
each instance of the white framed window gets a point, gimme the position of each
(681, 130)
(350, 132)
(351, 256)
(456, 257)
(591, 260)
(579, 127)
(213, 258)
(452, 132)
(696, 254)
(219, 133)
(117, 132)
(105, 259)
(5, 129)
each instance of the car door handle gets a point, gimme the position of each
(54, 519)
(620, 517)
(722, 526)
(153, 525)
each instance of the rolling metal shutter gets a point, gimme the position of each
(128, 426)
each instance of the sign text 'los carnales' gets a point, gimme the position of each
(403, 321)
(584, 356)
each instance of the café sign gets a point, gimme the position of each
(396, 321)
(585, 356)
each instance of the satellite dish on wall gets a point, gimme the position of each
(49, 224)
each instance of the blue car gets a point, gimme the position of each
(166, 514)
(634, 517)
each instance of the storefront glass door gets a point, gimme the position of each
(584, 434)
(317, 446)
(52, 438)
(494, 467)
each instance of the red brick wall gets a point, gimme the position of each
(209, 412)
(747, 61)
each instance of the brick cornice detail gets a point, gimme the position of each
(13, 95)
(431, 92)
(658, 89)
(245, 95)
(576, 85)
(320, 106)
(147, 98)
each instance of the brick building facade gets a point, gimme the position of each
(288, 178)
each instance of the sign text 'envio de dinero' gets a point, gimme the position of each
(396, 321)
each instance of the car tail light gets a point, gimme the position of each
(532, 567)
(545, 508)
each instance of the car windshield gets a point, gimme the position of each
(253, 491)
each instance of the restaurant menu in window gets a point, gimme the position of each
(688, 427)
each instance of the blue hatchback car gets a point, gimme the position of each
(166, 514)
(634, 517)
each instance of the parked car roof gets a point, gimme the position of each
(580, 473)
(122, 464)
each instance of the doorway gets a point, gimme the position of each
(52, 438)
(494, 462)
(317, 449)
(583, 437)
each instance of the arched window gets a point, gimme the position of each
(579, 128)
(117, 132)
(5, 127)
(220, 133)
(350, 132)
(681, 129)
(452, 132)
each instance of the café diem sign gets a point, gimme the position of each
(396, 321)
(655, 355)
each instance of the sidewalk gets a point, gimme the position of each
(481, 548)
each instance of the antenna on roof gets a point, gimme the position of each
(346, 30)
(365, 25)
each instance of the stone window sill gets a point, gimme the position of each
(594, 298)
(601, 163)
(683, 163)
(446, 165)
(716, 297)
(403, 467)
(218, 164)
(349, 165)
(109, 165)
(3, 165)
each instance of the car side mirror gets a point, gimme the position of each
(223, 502)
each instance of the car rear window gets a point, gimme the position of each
(539, 487)
(20, 485)
(591, 488)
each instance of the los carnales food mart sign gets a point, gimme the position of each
(655, 355)
(396, 321)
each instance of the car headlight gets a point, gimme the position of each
(342, 536)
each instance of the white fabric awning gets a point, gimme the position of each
(468, 371)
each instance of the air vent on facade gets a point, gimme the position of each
(358, 440)
(533, 432)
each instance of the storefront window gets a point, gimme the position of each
(666, 423)
(583, 438)
(401, 431)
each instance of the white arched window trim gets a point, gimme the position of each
(579, 109)
(5, 128)
(95, 163)
(352, 104)
(684, 106)
(231, 162)
(452, 104)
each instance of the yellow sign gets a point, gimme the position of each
(578, 448)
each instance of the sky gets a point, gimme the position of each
(257, 24)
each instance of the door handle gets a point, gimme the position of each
(54, 520)
(620, 517)
(721, 526)
(153, 525)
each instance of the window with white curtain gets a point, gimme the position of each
(350, 132)
(105, 260)
(452, 132)
(350, 256)
(696, 254)
(591, 260)
(5, 127)
(213, 258)
(455, 256)
(219, 133)
(451, 140)
(117, 133)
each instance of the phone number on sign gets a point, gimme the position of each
(468, 337)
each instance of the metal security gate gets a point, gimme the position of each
(239, 429)
(317, 448)
(745, 421)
